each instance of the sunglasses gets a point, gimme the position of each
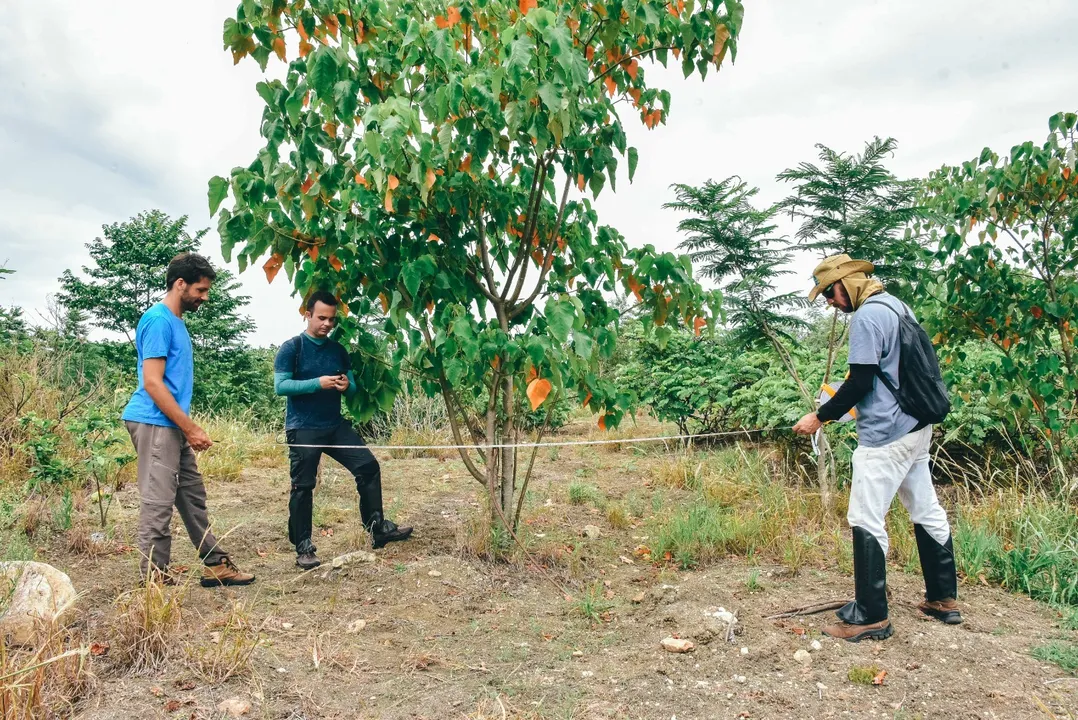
(829, 292)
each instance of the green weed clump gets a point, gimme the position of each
(1063, 654)
(863, 674)
(586, 494)
(1026, 542)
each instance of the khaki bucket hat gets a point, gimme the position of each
(833, 269)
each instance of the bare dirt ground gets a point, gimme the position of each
(447, 635)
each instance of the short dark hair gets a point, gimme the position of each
(189, 267)
(321, 296)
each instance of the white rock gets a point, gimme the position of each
(587, 673)
(287, 625)
(744, 651)
(592, 532)
(39, 596)
(578, 653)
(356, 625)
(234, 707)
(802, 656)
(434, 573)
(353, 557)
(678, 645)
(741, 678)
(724, 615)
(816, 646)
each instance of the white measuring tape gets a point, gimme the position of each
(564, 443)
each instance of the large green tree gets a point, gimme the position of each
(426, 159)
(851, 203)
(1008, 237)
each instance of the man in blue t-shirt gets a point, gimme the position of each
(313, 371)
(165, 437)
(892, 456)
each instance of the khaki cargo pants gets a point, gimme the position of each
(168, 476)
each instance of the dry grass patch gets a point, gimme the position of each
(226, 651)
(148, 623)
(45, 681)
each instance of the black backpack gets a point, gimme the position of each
(920, 392)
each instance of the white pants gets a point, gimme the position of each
(902, 468)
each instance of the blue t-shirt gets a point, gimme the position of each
(160, 334)
(874, 341)
(308, 359)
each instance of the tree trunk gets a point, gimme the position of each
(507, 469)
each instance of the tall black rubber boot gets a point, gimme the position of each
(941, 578)
(870, 582)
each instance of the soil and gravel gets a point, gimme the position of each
(447, 635)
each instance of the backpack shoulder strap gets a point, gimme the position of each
(879, 368)
(881, 302)
(297, 347)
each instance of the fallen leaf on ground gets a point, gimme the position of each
(173, 705)
(185, 685)
(156, 691)
(878, 680)
(99, 649)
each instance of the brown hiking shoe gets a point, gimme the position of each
(946, 610)
(225, 574)
(856, 633)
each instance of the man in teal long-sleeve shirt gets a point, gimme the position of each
(313, 371)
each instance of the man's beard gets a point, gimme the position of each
(189, 304)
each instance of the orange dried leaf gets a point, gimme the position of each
(307, 98)
(331, 129)
(496, 363)
(466, 165)
(99, 649)
(273, 266)
(677, 53)
(279, 48)
(394, 183)
(312, 252)
(673, 9)
(611, 86)
(527, 5)
(385, 302)
(305, 48)
(452, 16)
(430, 307)
(361, 180)
(602, 422)
(433, 238)
(589, 53)
(335, 263)
(430, 178)
(306, 186)
(538, 390)
(632, 68)
(532, 374)
(580, 180)
(698, 325)
(332, 24)
(878, 680)
(389, 201)
(587, 400)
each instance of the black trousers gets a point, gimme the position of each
(304, 466)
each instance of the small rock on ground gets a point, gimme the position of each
(592, 532)
(678, 645)
(234, 707)
(802, 656)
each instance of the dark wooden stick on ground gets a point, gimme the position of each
(808, 610)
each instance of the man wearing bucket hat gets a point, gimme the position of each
(897, 403)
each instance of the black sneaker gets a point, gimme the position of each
(307, 561)
(386, 531)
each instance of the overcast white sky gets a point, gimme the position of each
(110, 109)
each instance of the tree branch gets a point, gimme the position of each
(547, 260)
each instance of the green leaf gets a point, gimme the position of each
(217, 193)
(583, 345)
(323, 74)
(294, 104)
(634, 158)
(560, 316)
